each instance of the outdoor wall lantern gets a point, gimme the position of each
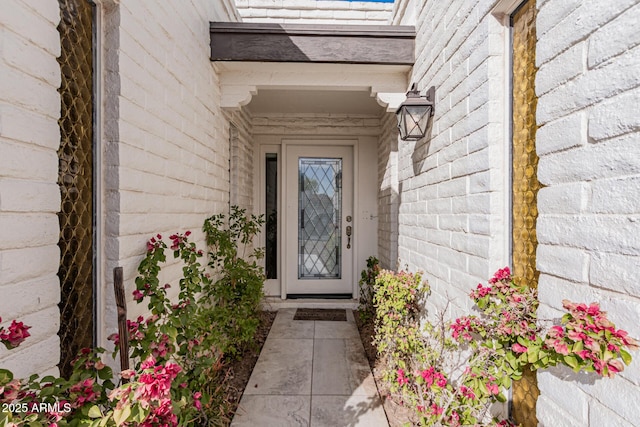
(413, 114)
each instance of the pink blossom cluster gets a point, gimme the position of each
(151, 390)
(139, 294)
(154, 243)
(9, 392)
(83, 392)
(159, 349)
(402, 379)
(15, 335)
(431, 377)
(588, 333)
(500, 285)
(177, 239)
(463, 328)
(503, 274)
(133, 328)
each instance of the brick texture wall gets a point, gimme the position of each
(388, 192)
(315, 124)
(29, 195)
(315, 11)
(589, 223)
(241, 165)
(453, 188)
(451, 185)
(167, 141)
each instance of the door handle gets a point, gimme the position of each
(349, 230)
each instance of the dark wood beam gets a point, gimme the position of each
(350, 44)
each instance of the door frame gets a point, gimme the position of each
(353, 143)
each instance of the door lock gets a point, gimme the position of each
(349, 236)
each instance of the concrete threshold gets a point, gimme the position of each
(277, 303)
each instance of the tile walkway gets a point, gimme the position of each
(311, 374)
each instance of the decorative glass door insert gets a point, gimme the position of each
(319, 218)
(318, 225)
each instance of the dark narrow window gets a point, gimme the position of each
(271, 204)
(75, 178)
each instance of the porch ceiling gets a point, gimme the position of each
(314, 101)
(312, 87)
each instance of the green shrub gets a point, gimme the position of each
(397, 324)
(239, 288)
(451, 373)
(367, 286)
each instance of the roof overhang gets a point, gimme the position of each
(343, 44)
(249, 57)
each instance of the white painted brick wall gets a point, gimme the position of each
(29, 195)
(166, 139)
(388, 192)
(588, 228)
(315, 11)
(241, 162)
(452, 199)
(315, 124)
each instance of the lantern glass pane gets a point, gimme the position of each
(413, 121)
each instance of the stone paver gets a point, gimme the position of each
(311, 374)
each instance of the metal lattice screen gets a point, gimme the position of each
(525, 184)
(75, 178)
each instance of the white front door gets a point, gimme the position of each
(319, 220)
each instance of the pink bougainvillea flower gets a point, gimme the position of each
(492, 388)
(576, 336)
(16, 334)
(436, 410)
(584, 354)
(558, 345)
(148, 363)
(9, 392)
(161, 348)
(519, 348)
(454, 419)
(462, 327)
(127, 374)
(556, 332)
(626, 339)
(82, 393)
(593, 309)
(401, 377)
(502, 274)
(467, 392)
(137, 295)
(196, 400)
(614, 366)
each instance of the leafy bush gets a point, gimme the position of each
(367, 286)
(178, 350)
(450, 373)
(397, 323)
(238, 291)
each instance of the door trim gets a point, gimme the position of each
(353, 143)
